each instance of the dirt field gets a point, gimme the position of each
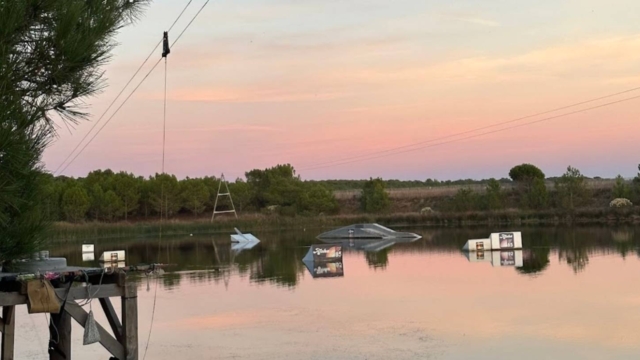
(425, 192)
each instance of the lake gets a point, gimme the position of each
(576, 295)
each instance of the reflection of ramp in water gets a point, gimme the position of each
(328, 269)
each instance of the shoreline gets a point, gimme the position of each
(64, 231)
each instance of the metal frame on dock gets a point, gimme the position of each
(122, 346)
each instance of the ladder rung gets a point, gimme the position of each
(221, 194)
(224, 211)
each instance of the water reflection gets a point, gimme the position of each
(277, 259)
(504, 258)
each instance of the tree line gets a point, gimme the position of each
(530, 191)
(104, 195)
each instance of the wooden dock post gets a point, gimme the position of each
(60, 331)
(8, 327)
(130, 321)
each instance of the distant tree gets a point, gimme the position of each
(127, 187)
(621, 189)
(525, 173)
(113, 206)
(103, 178)
(531, 188)
(75, 204)
(317, 199)
(146, 194)
(465, 199)
(53, 189)
(374, 198)
(212, 183)
(278, 185)
(164, 194)
(636, 187)
(571, 189)
(538, 196)
(240, 194)
(195, 195)
(494, 196)
(98, 201)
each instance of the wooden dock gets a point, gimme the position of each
(122, 346)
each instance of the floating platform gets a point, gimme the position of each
(496, 241)
(366, 232)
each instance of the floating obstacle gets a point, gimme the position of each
(242, 241)
(366, 232)
(113, 256)
(239, 237)
(88, 252)
(324, 261)
(496, 241)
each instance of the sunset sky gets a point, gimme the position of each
(256, 83)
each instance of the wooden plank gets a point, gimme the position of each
(109, 343)
(8, 332)
(112, 317)
(60, 332)
(76, 293)
(130, 321)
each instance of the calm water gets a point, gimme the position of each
(576, 296)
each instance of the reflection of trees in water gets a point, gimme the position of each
(378, 259)
(534, 261)
(171, 280)
(535, 257)
(623, 239)
(277, 259)
(573, 250)
(280, 265)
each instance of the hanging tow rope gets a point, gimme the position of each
(165, 51)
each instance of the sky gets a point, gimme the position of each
(332, 87)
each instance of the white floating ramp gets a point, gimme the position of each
(239, 237)
(496, 241)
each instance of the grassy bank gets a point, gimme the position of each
(96, 230)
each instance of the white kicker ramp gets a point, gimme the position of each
(240, 237)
